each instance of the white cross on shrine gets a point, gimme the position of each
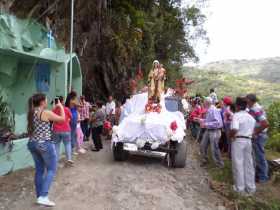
(50, 38)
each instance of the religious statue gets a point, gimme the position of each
(156, 79)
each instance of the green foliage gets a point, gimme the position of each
(223, 184)
(255, 204)
(221, 175)
(148, 30)
(273, 114)
(274, 142)
(227, 83)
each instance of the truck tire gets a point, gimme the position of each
(119, 153)
(181, 155)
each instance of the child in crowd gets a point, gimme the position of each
(80, 136)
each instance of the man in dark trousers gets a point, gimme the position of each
(97, 121)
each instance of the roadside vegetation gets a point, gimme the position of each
(226, 83)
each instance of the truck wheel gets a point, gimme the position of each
(181, 155)
(119, 153)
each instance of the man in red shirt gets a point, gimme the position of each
(62, 132)
(196, 113)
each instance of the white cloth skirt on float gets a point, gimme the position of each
(151, 127)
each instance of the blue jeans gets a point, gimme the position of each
(85, 128)
(194, 129)
(44, 156)
(261, 163)
(64, 137)
(73, 135)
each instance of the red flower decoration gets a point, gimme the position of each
(151, 107)
(174, 126)
(107, 125)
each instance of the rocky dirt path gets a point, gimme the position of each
(97, 182)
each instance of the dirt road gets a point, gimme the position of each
(97, 182)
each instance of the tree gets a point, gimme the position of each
(113, 37)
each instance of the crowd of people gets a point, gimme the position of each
(237, 129)
(71, 122)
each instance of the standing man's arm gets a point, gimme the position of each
(261, 119)
(234, 127)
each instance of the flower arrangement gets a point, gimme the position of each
(171, 131)
(107, 125)
(152, 107)
(173, 126)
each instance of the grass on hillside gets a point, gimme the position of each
(233, 85)
(266, 197)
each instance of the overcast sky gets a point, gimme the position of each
(241, 29)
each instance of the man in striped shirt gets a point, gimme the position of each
(259, 138)
(84, 115)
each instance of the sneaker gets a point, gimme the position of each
(261, 181)
(44, 201)
(82, 151)
(70, 162)
(95, 150)
(239, 192)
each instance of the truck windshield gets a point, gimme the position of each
(171, 105)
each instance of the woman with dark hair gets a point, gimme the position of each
(72, 104)
(41, 146)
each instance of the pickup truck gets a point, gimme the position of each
(149, 134)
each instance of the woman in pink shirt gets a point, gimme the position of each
(61, 133)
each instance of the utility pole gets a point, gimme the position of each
(71, 44)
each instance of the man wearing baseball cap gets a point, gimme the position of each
(227, 115)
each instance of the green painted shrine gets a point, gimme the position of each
(30, 61)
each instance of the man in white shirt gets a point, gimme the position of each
(110, 110)
(213, 96)
(242, 129)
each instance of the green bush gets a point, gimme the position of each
(273, 114)
(274, 141)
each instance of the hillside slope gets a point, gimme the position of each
(235, 78)
(266, 69)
